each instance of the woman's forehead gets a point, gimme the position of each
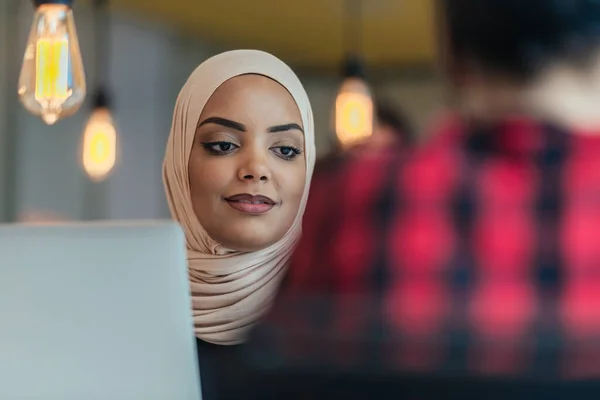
(253, 94)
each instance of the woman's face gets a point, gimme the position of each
(247, 167)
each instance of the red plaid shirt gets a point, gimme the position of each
(479, 252)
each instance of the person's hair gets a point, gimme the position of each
(518, 38)
(392, 116)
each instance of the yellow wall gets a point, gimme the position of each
(303, 32)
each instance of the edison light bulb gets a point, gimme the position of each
(99, 145)
(52, 80)
(353, 112)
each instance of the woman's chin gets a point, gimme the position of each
(250, 239)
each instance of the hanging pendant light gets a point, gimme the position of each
(353, 106)
(354, 101)
(52, 80)
(100, 139)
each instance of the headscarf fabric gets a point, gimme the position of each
(231, 290)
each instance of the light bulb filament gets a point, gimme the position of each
(99, 145)
(52, 72)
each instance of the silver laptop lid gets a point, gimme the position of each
(96, 311)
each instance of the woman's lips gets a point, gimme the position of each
(250, 204)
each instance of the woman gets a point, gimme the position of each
(237, 170)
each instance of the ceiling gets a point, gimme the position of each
(306, 33)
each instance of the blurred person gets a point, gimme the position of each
(237, 171)
(472, 267)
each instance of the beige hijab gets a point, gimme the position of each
(230, 290)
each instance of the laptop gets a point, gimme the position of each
(96, 311)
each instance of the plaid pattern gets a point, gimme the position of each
(478, 253)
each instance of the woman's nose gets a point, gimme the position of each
(255, 169)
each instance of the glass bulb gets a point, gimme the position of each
(353, 112)
(99, 145)
(52, 80)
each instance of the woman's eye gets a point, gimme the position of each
(286, 152)
(219, 147)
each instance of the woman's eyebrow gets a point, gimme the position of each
(227, 123)
(286, 127)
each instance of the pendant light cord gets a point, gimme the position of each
(101, 51)
(353, 35)
(352, 31)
